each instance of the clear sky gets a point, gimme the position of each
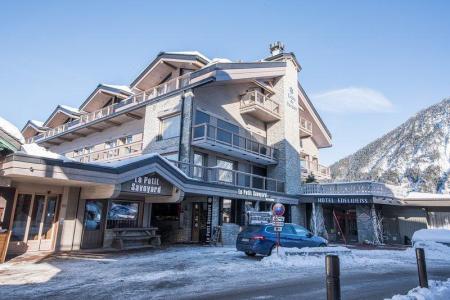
(367, 66)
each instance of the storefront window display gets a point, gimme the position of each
(123, 214)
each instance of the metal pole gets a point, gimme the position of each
(333, 273)
(422, 267)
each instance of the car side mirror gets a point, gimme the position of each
(309, 234)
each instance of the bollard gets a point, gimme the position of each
(333, 281)
(422, 268)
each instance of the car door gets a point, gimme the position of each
(304, 237)
(288, 237)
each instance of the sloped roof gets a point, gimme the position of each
(67, 110)
(108, 88)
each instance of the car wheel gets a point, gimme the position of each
(248, 253)
(322, 245)
(271, 250)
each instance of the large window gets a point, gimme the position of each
(225, 132)
(199, 162)
(166, 212)
(123, 214)
(200, 118)
(19, 225)
(228, 211)
(225, 170)
(170, 127)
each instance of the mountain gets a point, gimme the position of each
(416, 154)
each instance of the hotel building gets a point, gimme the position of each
(190, 144)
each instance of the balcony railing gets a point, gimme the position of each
(261, 106)
(230, 177)
(305, 127)
(348, 188)
(208, 132)
(311, 166)
(85, 119)
(113, 153)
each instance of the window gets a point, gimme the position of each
(225, 170)
(166, 212)
(199, 162)
(19, 225)
(228, 211)
(200, 118)
(301, 231)
(225, 132)
(123, 214)
(170, 127)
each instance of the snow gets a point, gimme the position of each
(70, 108)
(37, 123)
(34, 149)
(435, 235)
(435, 196)
(119, 87)
(438, 290)
(11, 130)
(190, 53)
(170, 272)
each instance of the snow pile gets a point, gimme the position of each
(36, 150)
(435, 235)
(438, 290)
(315, 257)
(12, 130)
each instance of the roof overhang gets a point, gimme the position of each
(23, 167)
(58, 112)
(163, 64)
(102, 90)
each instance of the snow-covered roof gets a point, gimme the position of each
(434, 235)
(70, 108)
(123, 88)
(11, 130)
(37, 123)
(427, 196)
(34, 149)
(189, 53)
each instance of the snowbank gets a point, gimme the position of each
(12, 130)
(314, 257)
(36, 150)
(438, 290)
(435, 235)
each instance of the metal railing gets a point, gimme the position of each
(210, 132)
(256, 98)
(305, 125)
(117, 152)
(230, 177)
(348, 188)
(311, 166)
(136, 99)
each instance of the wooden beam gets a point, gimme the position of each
(95, 128)
(52, 143)
(79, 134)
(65, 139)
(134, 116)
(170, 65)
(113, 123)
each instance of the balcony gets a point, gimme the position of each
(259, 106)
(210, 137)
(349, 188)
(115, 114)
(305, 128)
(313, 167)
(113, 153)
(230, 177)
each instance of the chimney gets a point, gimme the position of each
(276, 48)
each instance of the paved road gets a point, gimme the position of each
(354, 285)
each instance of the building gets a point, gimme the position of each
(190, 144)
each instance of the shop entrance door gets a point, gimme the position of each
(34, 223)
(94, 224)
(199, 215)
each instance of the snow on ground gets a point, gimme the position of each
(186, 270)
(438, 290)
(436, 235)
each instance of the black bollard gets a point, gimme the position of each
(333, 281)
(422, 268)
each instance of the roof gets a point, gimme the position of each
(67, 110)
(11, 130)
(184, 55)
(36, 125)
(285, 55)
(109, 88)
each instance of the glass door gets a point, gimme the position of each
(34, 222)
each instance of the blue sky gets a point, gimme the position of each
(368, 66)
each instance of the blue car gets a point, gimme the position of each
(262, 239)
